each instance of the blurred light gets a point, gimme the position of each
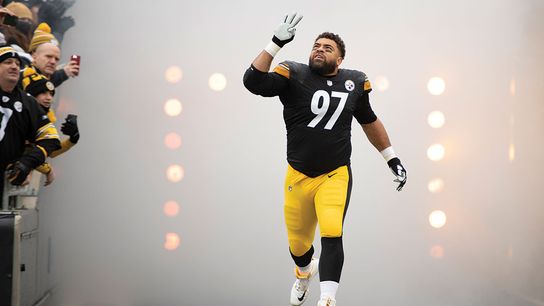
(510, 252)
(436, 119)
(173, 74)
(513, 87)
(381, 83)
(171, 241)
(436, 185)
(173, 107)
(437, 219)
(217, 82)
(174, 173)
(437, 251)
(172, 141)
(171, 208)
(511, 152)
(436, 152)
(436, 86)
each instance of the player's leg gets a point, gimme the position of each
(331, 201)
(301, 220)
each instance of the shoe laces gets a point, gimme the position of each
(301, 285)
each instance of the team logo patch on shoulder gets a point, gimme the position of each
(350, 86)
(5, 99)
(18, 106)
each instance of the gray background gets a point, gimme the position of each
(105, 209)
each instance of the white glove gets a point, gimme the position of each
(284, 33)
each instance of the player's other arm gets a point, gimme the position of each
(377, 135)
(257, 78)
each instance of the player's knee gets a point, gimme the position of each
(299, 247)
(331, 229)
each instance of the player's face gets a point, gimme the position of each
(325, 57)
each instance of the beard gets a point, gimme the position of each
(322, 68)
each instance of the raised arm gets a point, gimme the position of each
(257, 78)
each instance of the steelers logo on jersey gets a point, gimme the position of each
(5, 99)
(18, 106)
(350, 86)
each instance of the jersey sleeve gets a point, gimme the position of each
(43, 136)
(363, 111)
(267, 84)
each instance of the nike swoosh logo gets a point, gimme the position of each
(331, 175)
(302, 297)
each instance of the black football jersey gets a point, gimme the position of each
(22, 119)
(318, 113)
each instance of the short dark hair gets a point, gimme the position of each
(339, 42)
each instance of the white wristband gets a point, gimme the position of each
(388, 154)
(272, 48)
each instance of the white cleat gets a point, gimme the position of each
(299, 292)
(327, 302)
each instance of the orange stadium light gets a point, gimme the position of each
(171, 208)
(381, 83)
(437, 251)
(436, 86)
(436, 185)
(174, 173)
(171, 241)
(217, 82)
(437, 219)
(173, 107)
(173, 74)
(436, 119)
(436, 152)
(172, 141)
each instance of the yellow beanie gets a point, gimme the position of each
(42, 35)
(20, 10)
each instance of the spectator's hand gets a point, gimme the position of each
(69, 127)
(71, 69)
(286, 30)
(18, 173)
(49, 177)
(399, 171)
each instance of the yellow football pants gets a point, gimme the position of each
(312, 200)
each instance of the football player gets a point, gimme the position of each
(319, 101)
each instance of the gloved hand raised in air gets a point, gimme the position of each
(284, 33)
(69, 127)
(399, 171)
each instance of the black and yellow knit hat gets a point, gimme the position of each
(35, 83)
(42, 35)
(8, 52)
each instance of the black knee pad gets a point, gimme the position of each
(304, 260)
(332, 259)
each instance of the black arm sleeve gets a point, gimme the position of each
(363, 111)
(266, 84)
(59, 77)
(33, 156)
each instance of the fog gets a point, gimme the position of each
(104, 213)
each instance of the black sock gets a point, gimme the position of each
(332, 259)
